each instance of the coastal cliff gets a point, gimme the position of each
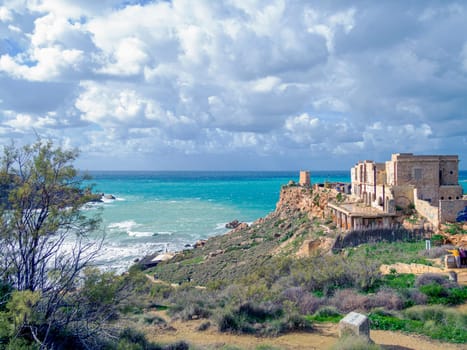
(296, 227)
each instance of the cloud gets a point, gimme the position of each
(323, 82)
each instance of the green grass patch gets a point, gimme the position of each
(433, 321)
(324, 318)
(395, 281)
(193, 261)
(390, 253)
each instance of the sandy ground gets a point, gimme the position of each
(323, 337)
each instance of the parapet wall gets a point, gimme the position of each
(448, 209)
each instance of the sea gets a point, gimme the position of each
(159, 211)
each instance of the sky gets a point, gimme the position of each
(235, 84)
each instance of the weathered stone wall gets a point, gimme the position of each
(427, 210)
(422, 174)
(304, 179)
(390, 177)
(448, 209)
(403, 195)
(449, 192)
(449, 170)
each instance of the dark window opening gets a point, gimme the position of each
(417, 174)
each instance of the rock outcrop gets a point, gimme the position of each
(232, 224)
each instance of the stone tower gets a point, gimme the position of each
(304, 178)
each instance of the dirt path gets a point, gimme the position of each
(323, 337)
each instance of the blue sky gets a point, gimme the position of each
(237, 84)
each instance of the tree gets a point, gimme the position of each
(45, 239)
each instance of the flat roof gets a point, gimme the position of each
(360, 210)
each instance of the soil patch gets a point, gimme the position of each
(323, 337)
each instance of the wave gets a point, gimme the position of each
(163, 233)
(221, 225)
(140, 233)
(126, 225)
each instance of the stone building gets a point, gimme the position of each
(428, 183)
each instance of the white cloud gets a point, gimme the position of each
(235, 77)
(5, 14)
(50, 63)
(128, 58)
(327, 25)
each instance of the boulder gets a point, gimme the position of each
(216, 253)
(200, 243)
(232, 224)
(109, 196)
(356, 324)
(163, 257)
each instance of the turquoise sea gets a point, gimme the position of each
(158, 211)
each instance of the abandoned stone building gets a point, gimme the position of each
(427, 183)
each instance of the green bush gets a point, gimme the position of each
(397, 281)
(387, 322)
(327, 314)
(438, 294)
(131, 339)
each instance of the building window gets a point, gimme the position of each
(451, 172)
(417, 174)
(442, 198)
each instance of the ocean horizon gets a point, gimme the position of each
(155, 211)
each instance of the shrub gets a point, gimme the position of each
(426, 313)
(305, 302)
(204, 326)
(437, 240)
(194, 311)
(234, 323)
(295, 322)
(388, 299)
(309, 304)
(347, 300)
(432, 278)
(415, 297)
(434, 252)
(387, 321)
(439, 322)
(457, 295)
(327, 314)
(398, 281)
(433, 290)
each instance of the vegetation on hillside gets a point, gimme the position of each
(257, 285)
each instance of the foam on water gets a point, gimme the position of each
(140, 233)
(126, 225)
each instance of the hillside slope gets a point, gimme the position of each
(296, 224)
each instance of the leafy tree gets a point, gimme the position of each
(44, 240)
